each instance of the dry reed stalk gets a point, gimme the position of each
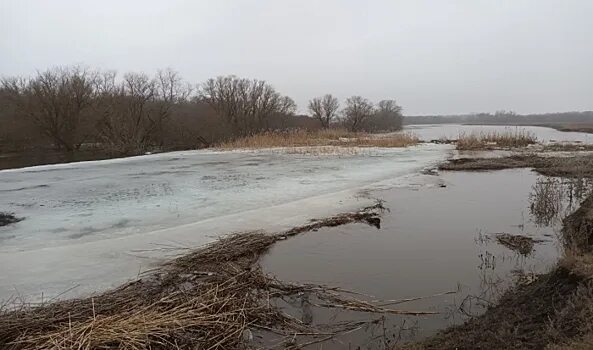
(329, 137)
(495, 139)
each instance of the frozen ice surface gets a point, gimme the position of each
(92, 225)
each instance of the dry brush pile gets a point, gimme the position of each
(216, 297)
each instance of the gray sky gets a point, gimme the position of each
(434, 57)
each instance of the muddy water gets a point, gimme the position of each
(433, 240)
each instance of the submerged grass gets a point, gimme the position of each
(325, 137)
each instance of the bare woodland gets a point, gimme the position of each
(74, 108)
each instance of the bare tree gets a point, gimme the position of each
(324, 109)
(387, 116)
(245, 105)
(357, 111)
(136, 108)
(56, 100)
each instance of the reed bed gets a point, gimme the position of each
(326, 137)
(216, 297)
(510, 138)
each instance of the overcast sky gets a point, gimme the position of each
(433, 57)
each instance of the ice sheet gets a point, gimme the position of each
(92, 225)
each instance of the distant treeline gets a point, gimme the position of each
(74, 108)
(506, 117)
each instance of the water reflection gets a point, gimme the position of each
(433, 240)
(552, 199)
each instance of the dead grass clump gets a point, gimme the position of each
(326, 137)
(8, 218)
(521, 244)
(495, 139)
(580, 166)
(578, 264)
(212, 298)
(577, 230)
(521, 319)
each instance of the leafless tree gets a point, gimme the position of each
(56, 100)
(245, 105)
(135, 109)
(357, 111)
(387, 117)
(324, 109)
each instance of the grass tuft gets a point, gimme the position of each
(488, 140)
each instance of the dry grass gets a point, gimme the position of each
(212, 298)
(519, 243)
(490, 140)
(573, 127)
(578, 166)
(326, 137)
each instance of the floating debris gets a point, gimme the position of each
(519, 243)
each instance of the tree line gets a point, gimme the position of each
(503, 117)
(70, 108)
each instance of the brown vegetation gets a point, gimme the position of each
(491, 140)
(325, 137)
(519, 243)
(565, 166)
(78, 109)
(573, 127)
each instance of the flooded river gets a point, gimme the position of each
(434, 239)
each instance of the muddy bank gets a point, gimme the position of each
(521, 320)
(564, 166)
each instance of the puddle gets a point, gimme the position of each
(434, 240)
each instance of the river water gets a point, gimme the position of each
(434, 239)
